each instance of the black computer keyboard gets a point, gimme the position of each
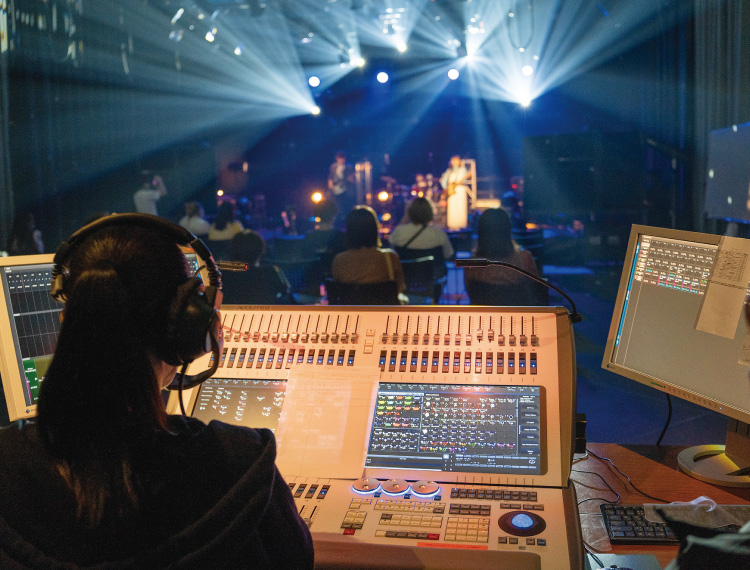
(627, 525)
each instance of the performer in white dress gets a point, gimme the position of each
(453, 183)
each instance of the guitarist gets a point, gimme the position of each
(453, 182)
(341, 185)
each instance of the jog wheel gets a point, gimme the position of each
(425, 488)
(395, 486)
(366, 485)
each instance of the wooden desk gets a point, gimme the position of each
(650, 477)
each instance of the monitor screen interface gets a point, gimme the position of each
(34, 323)
(458, 428)
(654, 338)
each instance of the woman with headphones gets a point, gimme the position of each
(104, 477)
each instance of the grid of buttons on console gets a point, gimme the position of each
(354, 519)
(427, 521)
(467, 529)
(411, 506)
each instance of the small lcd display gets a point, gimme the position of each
(456, 427)
(249, 403)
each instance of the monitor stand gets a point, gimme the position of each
(727, 465)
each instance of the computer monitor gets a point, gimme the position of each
(29, 324)
(679, 325)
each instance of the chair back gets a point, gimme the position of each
(439, 269)
(528, 293)
(384, 293)
(419, 276)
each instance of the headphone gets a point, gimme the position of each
(193, 314)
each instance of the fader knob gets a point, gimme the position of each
(425, 488)
(395, 486)
(366, 485)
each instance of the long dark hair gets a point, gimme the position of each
(362, 228)
(100, 402)
(494, 238)
(224, 215)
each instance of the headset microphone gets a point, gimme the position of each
(575, 316)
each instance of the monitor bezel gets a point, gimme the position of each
(608, 362)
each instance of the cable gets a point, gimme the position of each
(584, 458)
(669, 419)
(637, 490)
(590, 550)
(605, 483)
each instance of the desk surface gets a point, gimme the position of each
(649, 476)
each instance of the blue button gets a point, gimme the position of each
(522, 521)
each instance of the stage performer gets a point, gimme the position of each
(453, 182)
(341, 185)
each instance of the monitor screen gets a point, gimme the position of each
(458, 428)
(29, 324)
(675, 327)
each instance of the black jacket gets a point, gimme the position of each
(215, 500)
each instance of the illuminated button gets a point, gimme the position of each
(532, 363)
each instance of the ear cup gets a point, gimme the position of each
(191, 321)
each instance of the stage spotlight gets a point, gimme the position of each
(453, 74)
(314, 81)
(220, 193)
(386, 217)
(317, 197)
(527, 70)
(383, 196)
(357, 61)
(315, 110)
(177, 15)
(402, 47)
(525, 103)
(238, 50)
(382, 77)
(211, 35)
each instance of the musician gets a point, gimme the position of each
(453, 182)
(341, 184)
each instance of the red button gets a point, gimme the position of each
(349, 531)
(433, 537)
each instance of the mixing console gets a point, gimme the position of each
(436, 436)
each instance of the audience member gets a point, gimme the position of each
(152, 190)
(495, 241)
(260, 284)
(194, 219)
(24, 238)
(418, 232)
(365, 261)
(104, 478)
(226, 225)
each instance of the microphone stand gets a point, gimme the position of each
(575, 316)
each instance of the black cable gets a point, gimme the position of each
(669, 419)
(603, 481)
(636, 489)
(575, 316)
(590, 550)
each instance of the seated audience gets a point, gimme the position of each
(494, 241)
(365, 261)
(24, 238)
(260, 284)
(226, 225)
(104, 478)
(418, 232)
(194, 219)
(322, 244)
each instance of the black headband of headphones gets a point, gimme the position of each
(181, 236)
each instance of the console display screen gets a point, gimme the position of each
(249, 403)
(456, 427)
